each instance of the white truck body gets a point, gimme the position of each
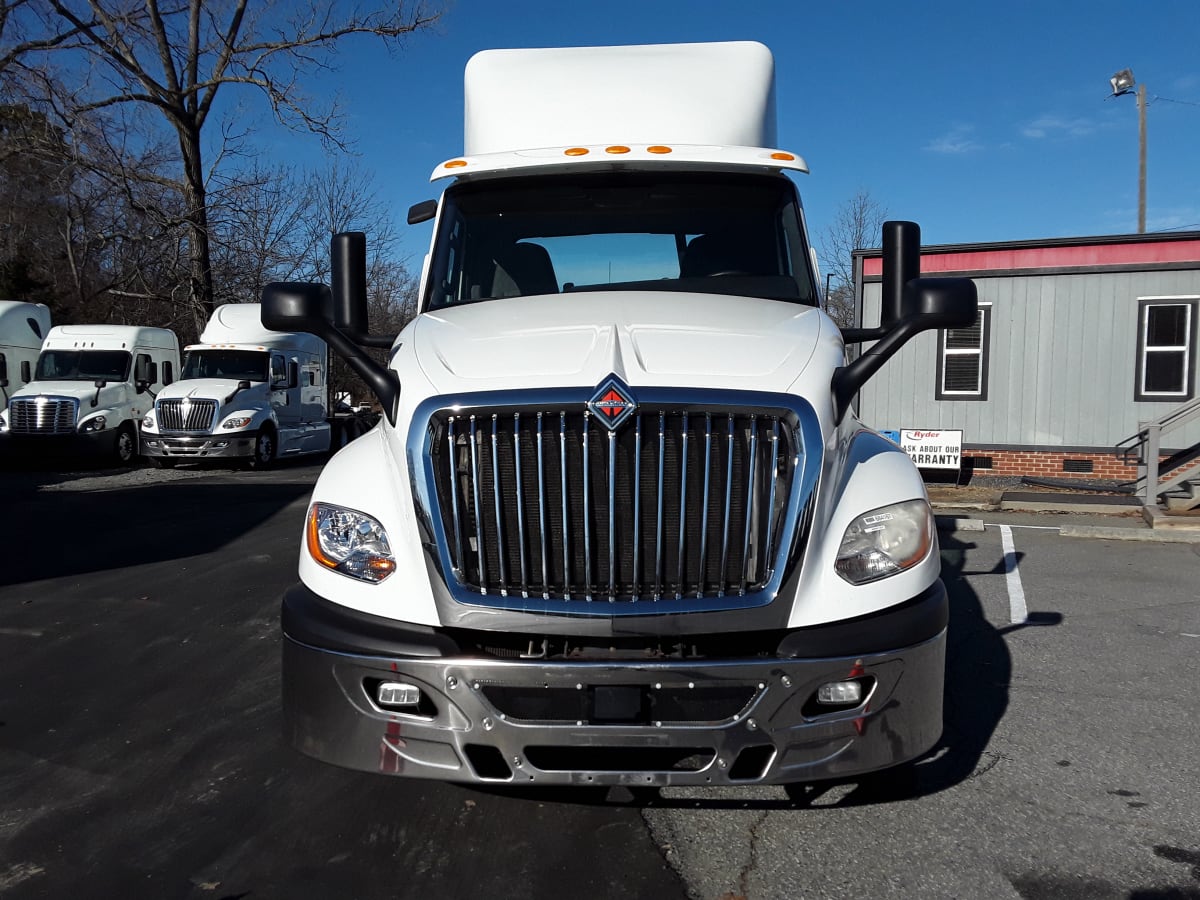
(90, 388)
(618, 524)
(23, 327)
(245, 393)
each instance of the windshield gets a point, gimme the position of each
(236, 365)
(82, 365)
(702, 233)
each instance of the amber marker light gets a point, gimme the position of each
(314, 542)
(455, 164)
(616, 149)
(658, 148)
(576, 151)
(786, 157)
(381, 567)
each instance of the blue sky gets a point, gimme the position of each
(980, 121)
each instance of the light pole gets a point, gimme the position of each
(1122, 83)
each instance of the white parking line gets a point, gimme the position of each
(1017, 611)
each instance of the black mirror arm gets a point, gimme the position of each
(858, 335)
(371, 340)
(382, 381)
(848, 379)
(241, 386)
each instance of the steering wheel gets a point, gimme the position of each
(723, 272)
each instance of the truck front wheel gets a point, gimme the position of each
(264, 448)
(125, 446)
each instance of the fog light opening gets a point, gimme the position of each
(839, 696)
(840, 693)
(394, 694)
(400, 697)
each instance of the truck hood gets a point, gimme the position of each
(113, 393)
(645, 338)
(210, 389)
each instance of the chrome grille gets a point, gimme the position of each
(43, 415)
(677, 503)
(186, 415)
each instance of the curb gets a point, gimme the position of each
(1161, 535)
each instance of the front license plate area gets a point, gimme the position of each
(619, 704)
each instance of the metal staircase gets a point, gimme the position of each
(1171, 483)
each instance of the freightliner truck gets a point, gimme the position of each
(90, 388)
(619, 524)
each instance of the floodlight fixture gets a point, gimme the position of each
(1122, 82)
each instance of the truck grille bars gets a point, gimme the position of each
(681, 503)
(43, 415)
(186, 414)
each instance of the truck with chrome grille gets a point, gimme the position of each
(90, 388)
(246, 393)
(619, 523)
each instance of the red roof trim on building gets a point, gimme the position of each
(982, 258)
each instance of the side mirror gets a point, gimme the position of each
(422, 212)
(928, 303)
(941, 302)
(293, 374)
(26, 371)
(298, 306)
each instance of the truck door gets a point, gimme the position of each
(285, 398)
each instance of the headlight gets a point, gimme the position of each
(885, 541)
(148, 420)
(3, 422)
(348, 542)
(96, 424)
(237, 422)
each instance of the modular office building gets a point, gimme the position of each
(1078, 342)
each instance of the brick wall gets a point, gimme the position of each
(1050, 464)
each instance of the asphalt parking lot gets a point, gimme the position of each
(140, 751)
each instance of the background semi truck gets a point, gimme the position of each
(246, 392)
(23, 327)
(619, 523)
(91, 386)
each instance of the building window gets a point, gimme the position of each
(1166, 350)
(962, 364)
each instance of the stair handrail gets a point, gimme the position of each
(1149, 437)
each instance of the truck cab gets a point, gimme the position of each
(90, 388)
(619, 523)
(245, 393)
(23, 327)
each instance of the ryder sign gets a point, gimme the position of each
(933, 449)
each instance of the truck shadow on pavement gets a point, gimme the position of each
(84, 532)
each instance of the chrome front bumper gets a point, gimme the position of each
(203, 447)
(538, 722)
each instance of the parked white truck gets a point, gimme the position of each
(90, 388)
(245, 393)
(23, 327)
(619, 524)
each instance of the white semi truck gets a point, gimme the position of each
(91, 386)
(619, 523)
(245, 393)
(23, 327)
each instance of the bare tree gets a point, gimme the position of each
(175, 59)
(857, 226)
